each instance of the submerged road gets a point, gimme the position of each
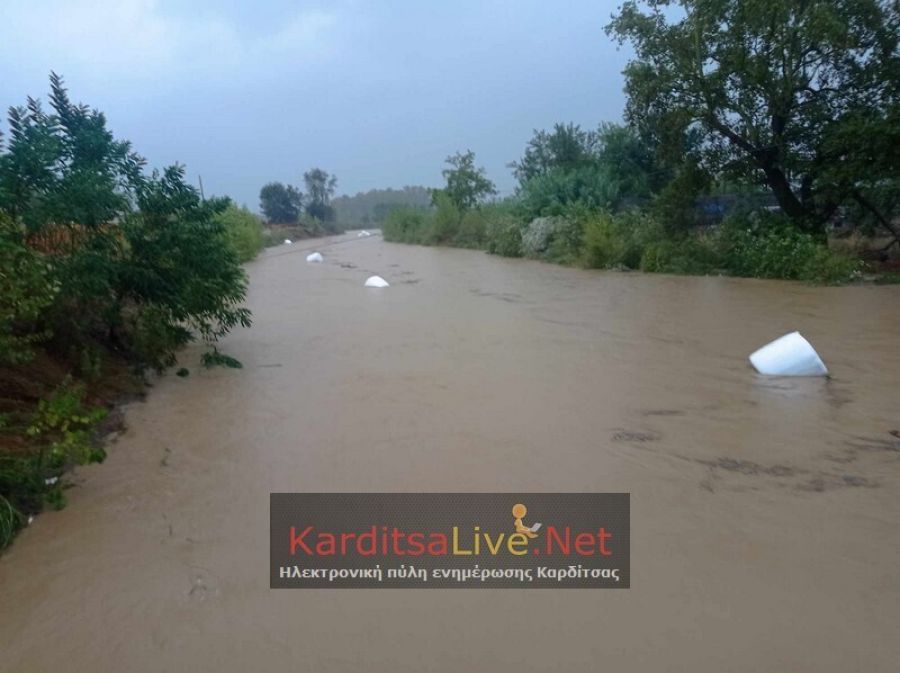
(764, 511)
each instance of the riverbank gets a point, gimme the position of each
(757, 245)
(763, 510)
(56, 414)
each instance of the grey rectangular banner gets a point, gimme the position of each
(450, 540)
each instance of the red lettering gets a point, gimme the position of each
(603, 536)
(584, 544)
(297, 541)
(416, 544)
(370, 537)
(565, 546)
(438, 544)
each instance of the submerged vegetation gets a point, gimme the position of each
(105, 271)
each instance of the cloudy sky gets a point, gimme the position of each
(378, 93)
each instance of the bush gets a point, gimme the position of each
(555, 239)
(472, 232)
(121, 242)
(243, 232)
(60, 432)
(444, 221)
(96, 256)
(538, 233)
(503, 234)
(406, 225)
(555, 192)
(765, 245)
(688, 254)
(619, 240)
(26, 290)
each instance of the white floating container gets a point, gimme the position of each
(363, 234)
(376, 281)
(790, 355)
(288, 241)
(315, 257)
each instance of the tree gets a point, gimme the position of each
(466, 185)
(103, 253)
(595, 169)
(63, 169)
(777, 91)
(567, 147)
(631, 160)
(280, 203)
(320, 188)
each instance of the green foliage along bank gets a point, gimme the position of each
(243, 231)
(761, 138)
(106, 270)
(606, 200)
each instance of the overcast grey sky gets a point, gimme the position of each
(378, 93)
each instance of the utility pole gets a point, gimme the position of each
(200, 178)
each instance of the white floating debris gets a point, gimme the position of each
(376, 281)
(51, 480)
(30, 520)
(314, 257)
(790, 355)
(288, 241)
(363, 234)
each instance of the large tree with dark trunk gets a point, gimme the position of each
(801, 95)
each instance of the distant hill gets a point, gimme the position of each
(368, 209)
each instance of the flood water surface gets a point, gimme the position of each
(764, 510)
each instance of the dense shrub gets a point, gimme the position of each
(441, 225)
(96, 258)
(26, 290)
(687, 254)
(554, 192)
(472, 232)
(117, 242)
(503, 233)
(243, 231)
(406, 224)
(60, 433)
(444, 220)
(619, 240)
(766, 245)
(537, 234)
(556, 239)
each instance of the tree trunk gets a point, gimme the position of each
(882, 219)
(801, 214)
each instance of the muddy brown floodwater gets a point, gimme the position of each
(764, 511)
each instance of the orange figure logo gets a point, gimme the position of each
(519, 511)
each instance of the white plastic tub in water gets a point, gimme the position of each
(790, 355)
(376, 281)
(314, 257)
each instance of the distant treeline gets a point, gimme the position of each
(368, 209)
(289, 210)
